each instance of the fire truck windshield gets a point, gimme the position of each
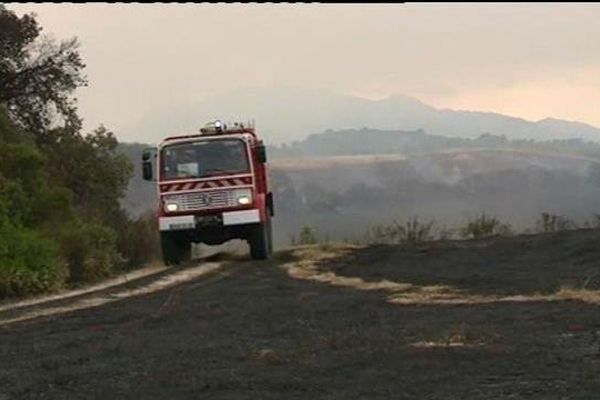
(205, 158)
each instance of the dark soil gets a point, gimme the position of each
(251, 331)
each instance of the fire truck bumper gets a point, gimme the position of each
(176, 223)
(241, 217)
(187, 222)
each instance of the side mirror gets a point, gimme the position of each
(262, 153)
(147, 154)
(147, 166)
(147, 170)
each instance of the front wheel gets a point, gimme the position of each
(174, 250)
(261, 241)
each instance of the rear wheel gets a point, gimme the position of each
(174, 250)
(261, 240)
(270, 236)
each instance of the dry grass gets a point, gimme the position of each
(460, 335)
(267, 356)
(306, 262)
(575, 294)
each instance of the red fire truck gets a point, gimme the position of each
(212, 187)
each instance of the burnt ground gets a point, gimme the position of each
(503, 318)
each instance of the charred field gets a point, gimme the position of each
(501, 318)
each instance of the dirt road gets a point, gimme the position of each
(497, 319)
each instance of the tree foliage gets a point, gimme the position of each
(38, 75)
(91, 168)
(60, 190)
(29, 208)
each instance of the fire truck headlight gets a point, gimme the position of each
(243, 200)
(243, 196)
(171, 207)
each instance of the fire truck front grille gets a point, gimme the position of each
(204, 200)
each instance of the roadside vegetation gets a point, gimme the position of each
(485, 226)
(415, 230)
(307, 235)
(554, 223)
(411, 230)
(61, 223)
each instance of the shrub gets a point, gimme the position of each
(138, 240)
(554, 223)
(25, 189)
(484, 226)
(307, 235)
(596, 221)
(409, 231)
(89, 250)
(29, 264)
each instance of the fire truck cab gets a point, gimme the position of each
(212, 187)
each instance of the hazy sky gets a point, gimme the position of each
(527, 60)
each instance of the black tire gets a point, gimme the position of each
(174, 250)
(261, 241)
(270, 235)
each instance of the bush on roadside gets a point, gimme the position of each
(411, 230)
(306, 235)
(138, 240)
(554, 223)
(89, 250)
(60, 189)
(485, 226)
(29, 264)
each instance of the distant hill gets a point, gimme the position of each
(351, 142)
(285, 114)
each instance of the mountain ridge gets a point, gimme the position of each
(287, 114)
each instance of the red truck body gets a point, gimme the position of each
(212, 187)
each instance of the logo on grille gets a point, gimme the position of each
(205, 199)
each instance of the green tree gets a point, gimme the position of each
(30, 208)
(60, 190)
(92, 168)
(37, 75)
